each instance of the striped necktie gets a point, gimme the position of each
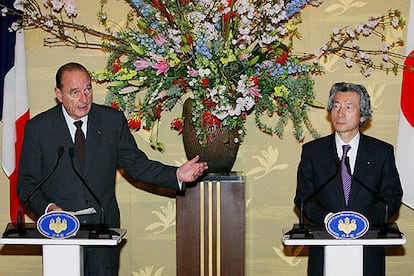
(346, 177)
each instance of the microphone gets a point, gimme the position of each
(72, 154)
(301, 214)
(24, 201)
(377, 196)
(299, 230)
(387, 230)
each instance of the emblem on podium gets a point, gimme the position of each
(347, 225)
(58, 225)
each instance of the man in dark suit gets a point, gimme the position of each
(371, 162)
(84, 180)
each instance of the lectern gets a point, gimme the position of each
(344, 257)
(63, 257)
(210, 227)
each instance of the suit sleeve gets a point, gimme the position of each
(138, 166)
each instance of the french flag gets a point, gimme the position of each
(405, 138)
(14, 103)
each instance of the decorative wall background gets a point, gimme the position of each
(268, 162)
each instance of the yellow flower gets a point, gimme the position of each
(281, 91)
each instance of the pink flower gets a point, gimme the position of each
(162, 67)
(142, 64)
(254, 90)
(161, 40)
(161, 95)
(157, 57)
(244, 56)
(191, 72)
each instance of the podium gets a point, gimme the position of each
(61, 256)
(210, 227)
(344, 257)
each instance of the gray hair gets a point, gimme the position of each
(364, 99)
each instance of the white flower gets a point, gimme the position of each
(350, 32)
(70, 8)
(204, 72)
(57, 5)
(395, 21)
(348, 62)
(373, 23)
(19, 5)
(318, 53)
(4, 11)
(14, 27)
(49, 23)
(367, 72)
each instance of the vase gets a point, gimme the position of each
(220, 152)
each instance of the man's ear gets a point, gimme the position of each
(58, 94)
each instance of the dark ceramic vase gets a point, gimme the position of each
(220, 152)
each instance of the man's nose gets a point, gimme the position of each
(342, 111)
(83, 97)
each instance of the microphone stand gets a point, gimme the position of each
(386, 229)
(20, 229)
(301, 230)
(100, 230)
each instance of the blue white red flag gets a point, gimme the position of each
(14, 100)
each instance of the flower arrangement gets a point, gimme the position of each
(233, 58)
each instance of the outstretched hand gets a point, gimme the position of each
(191, 170)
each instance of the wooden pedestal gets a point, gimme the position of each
(210, 227)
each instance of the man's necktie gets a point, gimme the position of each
(80, 142)
(346, 177)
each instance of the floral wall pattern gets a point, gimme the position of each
(269, 163)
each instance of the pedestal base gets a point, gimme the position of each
(210, 227)
(344, 260)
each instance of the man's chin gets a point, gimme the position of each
(345, 131)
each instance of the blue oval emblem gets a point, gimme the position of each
(347, 225)
(58, 225)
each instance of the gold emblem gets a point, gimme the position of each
(347, 226)
(58, 226)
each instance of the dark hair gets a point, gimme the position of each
(71, 66)
(364, 99)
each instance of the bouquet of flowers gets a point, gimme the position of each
(233, 58)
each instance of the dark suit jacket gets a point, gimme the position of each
(374, 166)
(109, 144)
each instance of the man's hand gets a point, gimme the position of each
(53, 207)
(191, 170)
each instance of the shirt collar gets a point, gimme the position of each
(353, 143)
(70, 120)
